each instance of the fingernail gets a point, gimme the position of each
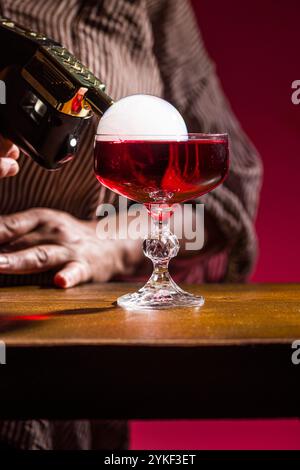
(65, 280)
(61, 281)
(3, 260)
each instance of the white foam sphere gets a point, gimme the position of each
(143, 116)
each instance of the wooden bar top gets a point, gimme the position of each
(88, 315)
(76, 354)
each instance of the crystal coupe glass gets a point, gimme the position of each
(159, 172)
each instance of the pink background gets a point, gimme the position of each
(254, 44)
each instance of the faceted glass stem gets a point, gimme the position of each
(160, 291)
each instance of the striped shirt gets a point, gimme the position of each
(135, 46)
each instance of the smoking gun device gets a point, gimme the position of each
(50, 96)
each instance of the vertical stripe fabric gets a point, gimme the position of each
(134, 46)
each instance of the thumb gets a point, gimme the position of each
(73, 273)
(8, 149)
(13, 152)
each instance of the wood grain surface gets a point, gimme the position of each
(232, 314)
(75, 354)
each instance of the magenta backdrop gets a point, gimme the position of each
(254, 44)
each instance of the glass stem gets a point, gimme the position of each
(160, 246)
(160, 291)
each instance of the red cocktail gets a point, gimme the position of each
(159, 171)
(155, 171)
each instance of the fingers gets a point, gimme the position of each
(8, 167)
(37, 259)
(9, 153)
(13, 152)
(7, 148)
(16, 225)
(33, 238)
(74, 273)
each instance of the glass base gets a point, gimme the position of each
(160, 292)
(157, 297)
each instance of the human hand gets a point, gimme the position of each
(9, 153)
(41, 239)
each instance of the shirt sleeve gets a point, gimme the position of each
(191, 84)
